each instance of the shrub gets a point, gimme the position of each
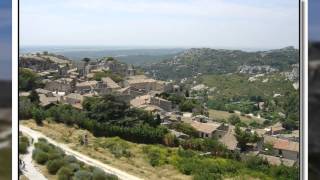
(98, 174)
(74, 167)
(118, 147)
(234, 119)
(111, 177)
(207, 176)
(44, 146)
(40, 157)
(83, 175)
(54, 155)
(186, 128)
(23, 147)
(54, 165)
(38, 115)
(188, 165)
(283, 172)
(65, 173)
(157, 156)
(24, 139)
(257, 163)
(170, 140)
(70, 159)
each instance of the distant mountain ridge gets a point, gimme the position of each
(135, 56)
(197, 61)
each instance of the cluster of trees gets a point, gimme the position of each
(108, 116)
(66, 166)
(115, 77)
(28, 80)
(185, 128)
(243, 105)
(205, 145)
(103, 116)
(244, 137)
(202, 167)
(185, 105)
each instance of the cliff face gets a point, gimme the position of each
(36, 64)
(42, 62)
(245, 69)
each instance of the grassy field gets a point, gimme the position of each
(137, 164)
(216, 114)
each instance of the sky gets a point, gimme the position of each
(163, 23)
(5, 39)
(314, 20)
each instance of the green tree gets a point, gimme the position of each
(34, 97)
(243, 137)
(86, 60)
(83, 175)
(234, 119)
(65, 173)
(25, 108)
(54, 165)
(28, 80)
(38, 114)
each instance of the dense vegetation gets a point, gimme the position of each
(214, 61)
(190, 162)
(235, 92)
(141, 127)
(115, 77)
(184, 104)
(28, 80)
(103, 116)
(65, 166)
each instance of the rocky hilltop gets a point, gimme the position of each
(42, 61)
(195, 61)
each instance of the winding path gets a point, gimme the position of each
(29, 169)
(81, 157)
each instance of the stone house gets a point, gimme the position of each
(107, 85)
(283, 148)
(66, 85)
(208, 130)
(86, 87)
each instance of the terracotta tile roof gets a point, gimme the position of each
(282, 143)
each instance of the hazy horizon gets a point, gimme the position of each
(230, 24)
(61, 48)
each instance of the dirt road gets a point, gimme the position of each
(81, 157)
